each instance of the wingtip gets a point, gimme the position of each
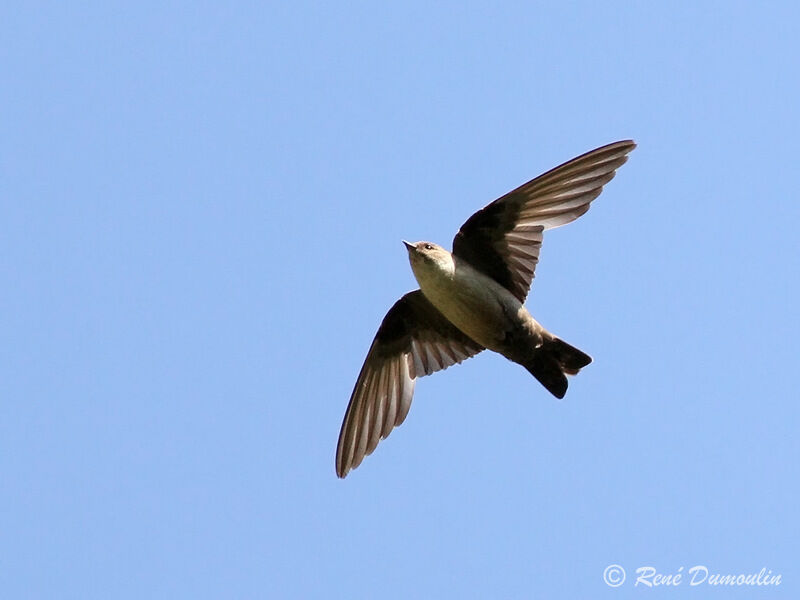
(341, 469)
(629, 145)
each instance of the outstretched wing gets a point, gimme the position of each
(413, 340)
(503, 239)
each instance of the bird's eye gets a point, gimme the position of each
(428, 247)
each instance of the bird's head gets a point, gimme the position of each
(427, 257)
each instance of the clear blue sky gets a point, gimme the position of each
(202, 209)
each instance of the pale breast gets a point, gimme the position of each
(476, 304)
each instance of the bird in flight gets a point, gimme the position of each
(472, 299)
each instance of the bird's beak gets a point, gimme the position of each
(409, 246)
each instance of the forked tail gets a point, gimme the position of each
(553, 361)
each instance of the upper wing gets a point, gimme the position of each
(413, 340)
(503, 239)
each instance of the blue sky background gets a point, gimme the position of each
(202, 208)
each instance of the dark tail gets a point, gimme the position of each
(553, 361)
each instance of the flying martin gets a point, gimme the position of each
(471, 299)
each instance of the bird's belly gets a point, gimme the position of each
(477, 305)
